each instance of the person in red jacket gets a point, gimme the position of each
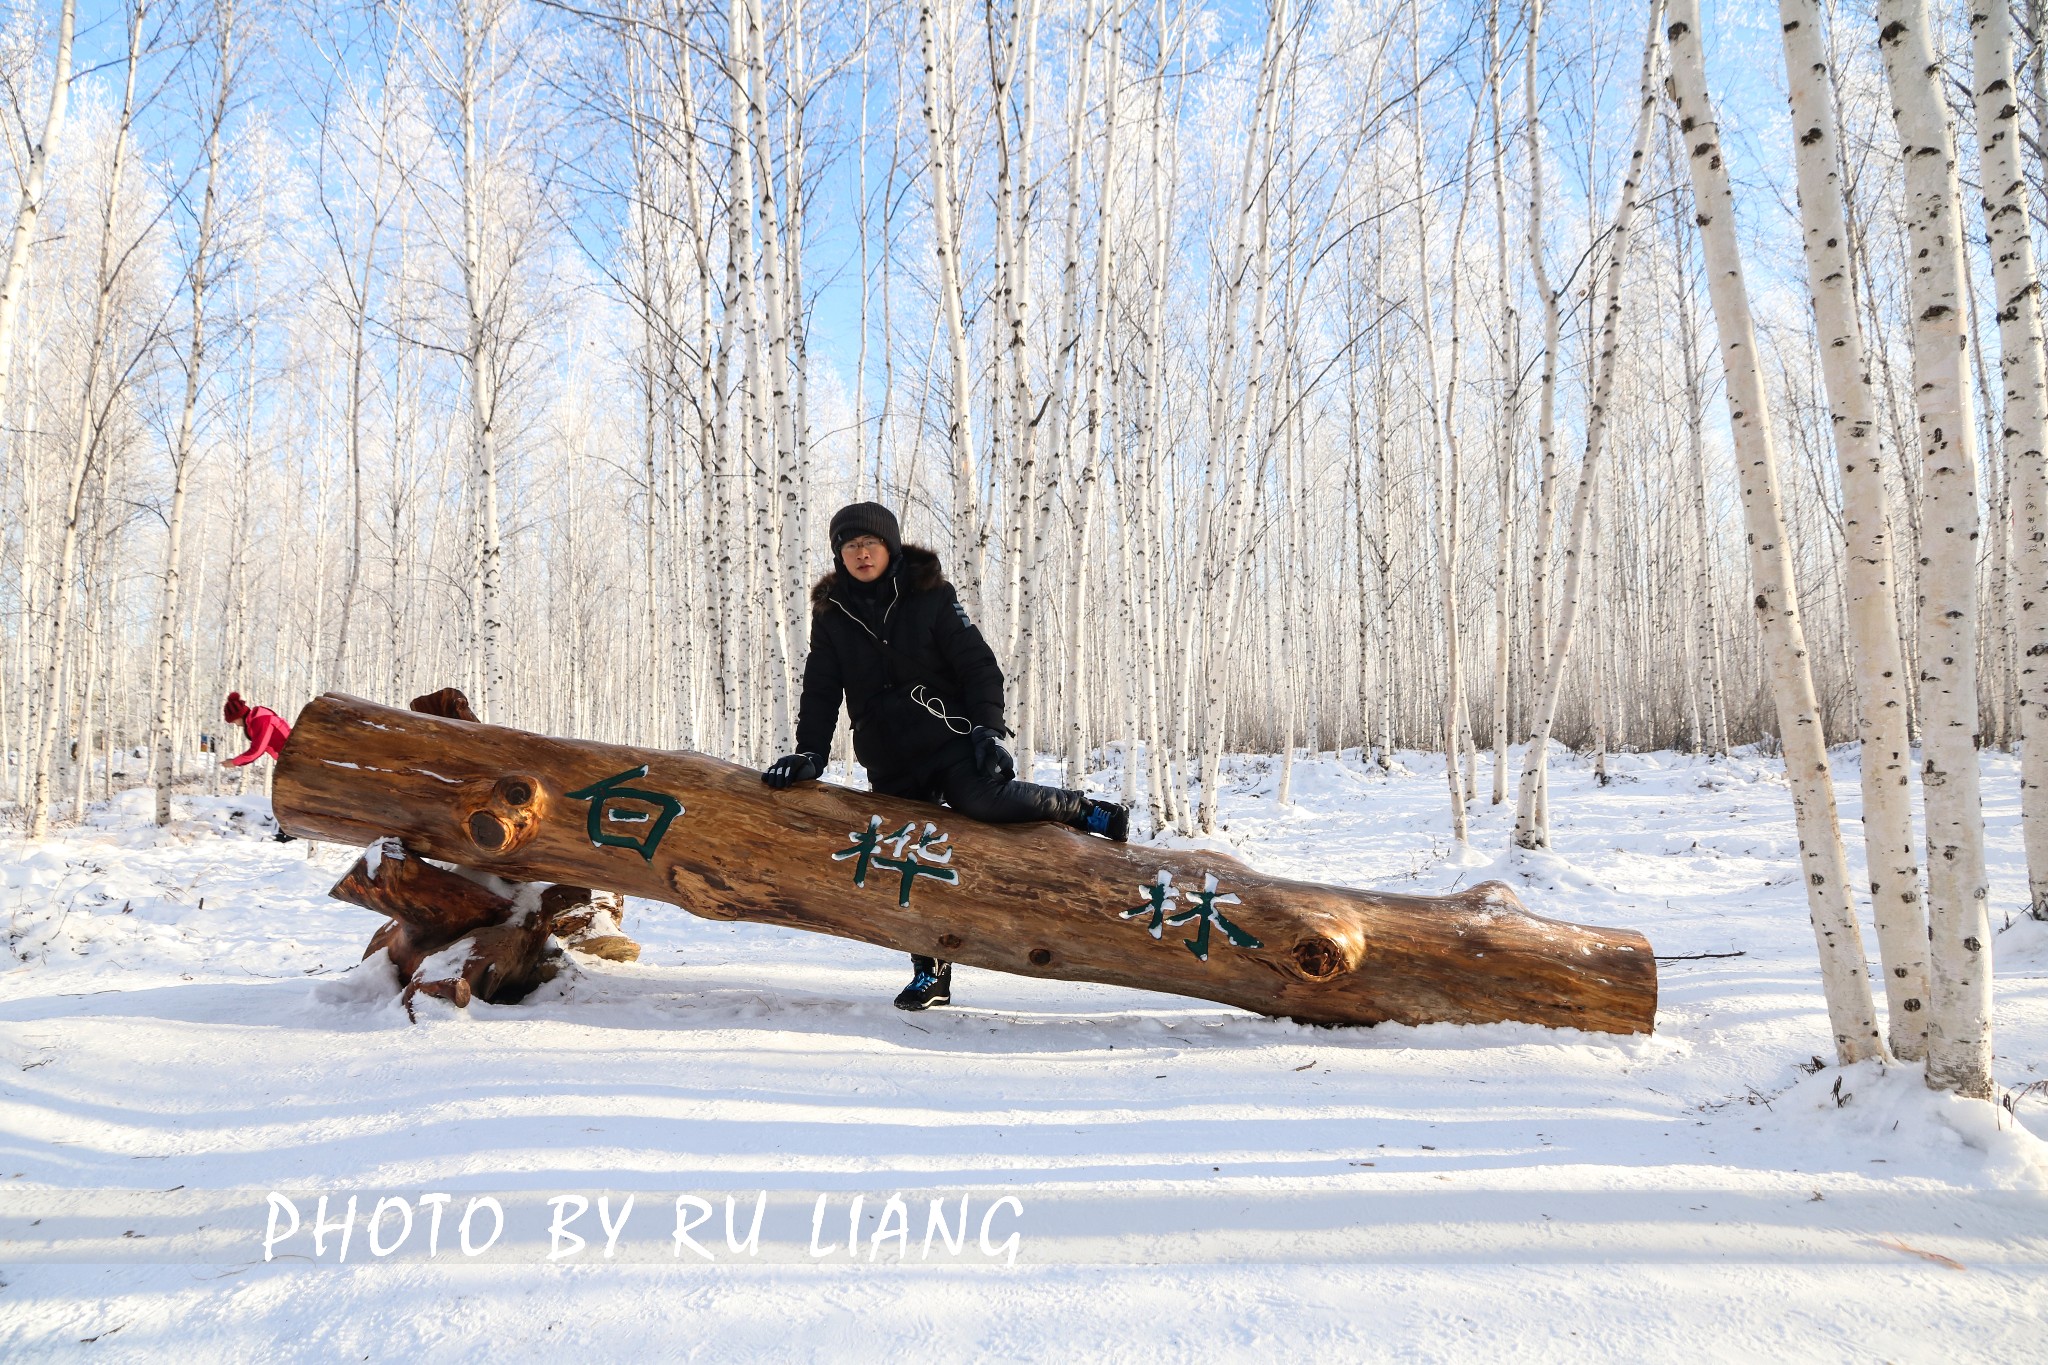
(267, 730)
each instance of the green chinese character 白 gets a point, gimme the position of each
(605, 810)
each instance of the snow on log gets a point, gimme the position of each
(1034, 900)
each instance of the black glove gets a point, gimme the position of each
(991, 759)
(792, 768)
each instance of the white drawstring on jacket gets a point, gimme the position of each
(959, 725)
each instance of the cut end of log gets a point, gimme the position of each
(587, 922)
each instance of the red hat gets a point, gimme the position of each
(235, 708)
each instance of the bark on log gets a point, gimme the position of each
(1034, 900)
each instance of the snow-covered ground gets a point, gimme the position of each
(177, 1015)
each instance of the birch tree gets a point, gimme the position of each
(1545, 530)
(481, 65)
(1851, 1013)
(1442, 395)
(2007, 223)
(1229, 445)
(1880, 665)
(1098, 363)
(88, 429)
(774, 281)
(355, 227)
(1507, 354)
(1958, 916)
(476, 22)
(1531, 830)
(935, 34)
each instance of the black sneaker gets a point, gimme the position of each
(1110, 819)
(931, 983)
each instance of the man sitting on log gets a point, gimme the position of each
(925, 693)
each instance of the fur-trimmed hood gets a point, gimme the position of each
(919, 567)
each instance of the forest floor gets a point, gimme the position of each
(181, 1034)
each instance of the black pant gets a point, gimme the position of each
(952, 777)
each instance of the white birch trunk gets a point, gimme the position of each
(785, 512)
(1013, 245)
(1851, 1014)
(1707, 602)
(1544, 533)
(728, 522)
(1151, 598)
(86, 677)
(2007, 220)
(358, 304)
(1508, 358)
(1078, 716)
(937, 92)
(1066, 347)
(1879, 664)
(480, 364)
(1958, 919)
(1229, 444)
(15, 285)
(1442, 395)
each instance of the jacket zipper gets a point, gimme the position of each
(887, 611)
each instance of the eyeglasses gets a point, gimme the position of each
(863, 543)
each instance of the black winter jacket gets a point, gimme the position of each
(921, 637)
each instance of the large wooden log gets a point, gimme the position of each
(1036, 900)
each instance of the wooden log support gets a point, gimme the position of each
(499, 944)
(589, 922)
(430, 907)
(1035, 900)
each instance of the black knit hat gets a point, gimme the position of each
(866, 519)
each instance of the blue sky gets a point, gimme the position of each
(1746, 73)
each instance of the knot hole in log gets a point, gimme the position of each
(509, 815)
(1041, 957)
(1318, 958)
